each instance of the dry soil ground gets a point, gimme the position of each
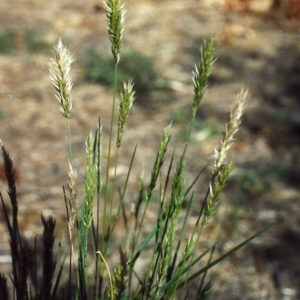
(258, 50)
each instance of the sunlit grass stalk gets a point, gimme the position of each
(228, 137)
(160, 156)
(220, 155)
(221, 170)
(121, 202)
(86, 214)
(126, 101)
(96, 228)
(115, 14)
(159, 160)
(59, 68)
(72, 220)
(89, 183)
(200, 80)
(133, 242)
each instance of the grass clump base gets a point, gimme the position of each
(172, 255)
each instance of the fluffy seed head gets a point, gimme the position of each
(127, 98)
(59, 68)
(228, 136)
(115, 15)
(202, 72)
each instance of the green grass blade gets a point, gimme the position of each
(144, 245)
(247, 241)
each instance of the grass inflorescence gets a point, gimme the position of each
(170, 247)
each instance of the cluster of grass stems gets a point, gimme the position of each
(168, 271)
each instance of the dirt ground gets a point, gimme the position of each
(257, 49)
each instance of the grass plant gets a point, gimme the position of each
(168, 271)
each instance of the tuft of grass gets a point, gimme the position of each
(251, 183)
(8, 41)
(98, 69)
(31, 40)
(93, 222)
(34, 42)
(141, 69)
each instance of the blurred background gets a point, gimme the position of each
(257, 47)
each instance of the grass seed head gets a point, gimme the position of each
(202, 72)
(115, 15)
(59, 68)
(228, 136)
(127, 98)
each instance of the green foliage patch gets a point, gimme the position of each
(34, 42)
(30, 39)
(7, 41)
(148, 84)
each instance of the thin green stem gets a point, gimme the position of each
(188, 135)
(110, 148)
(70, 141)
(114, 182)
(106, 186)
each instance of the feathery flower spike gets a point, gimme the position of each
(59, 68)
(231, 128)
(72, 195)
(115, 15)
(202, 72)
(127, 98)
